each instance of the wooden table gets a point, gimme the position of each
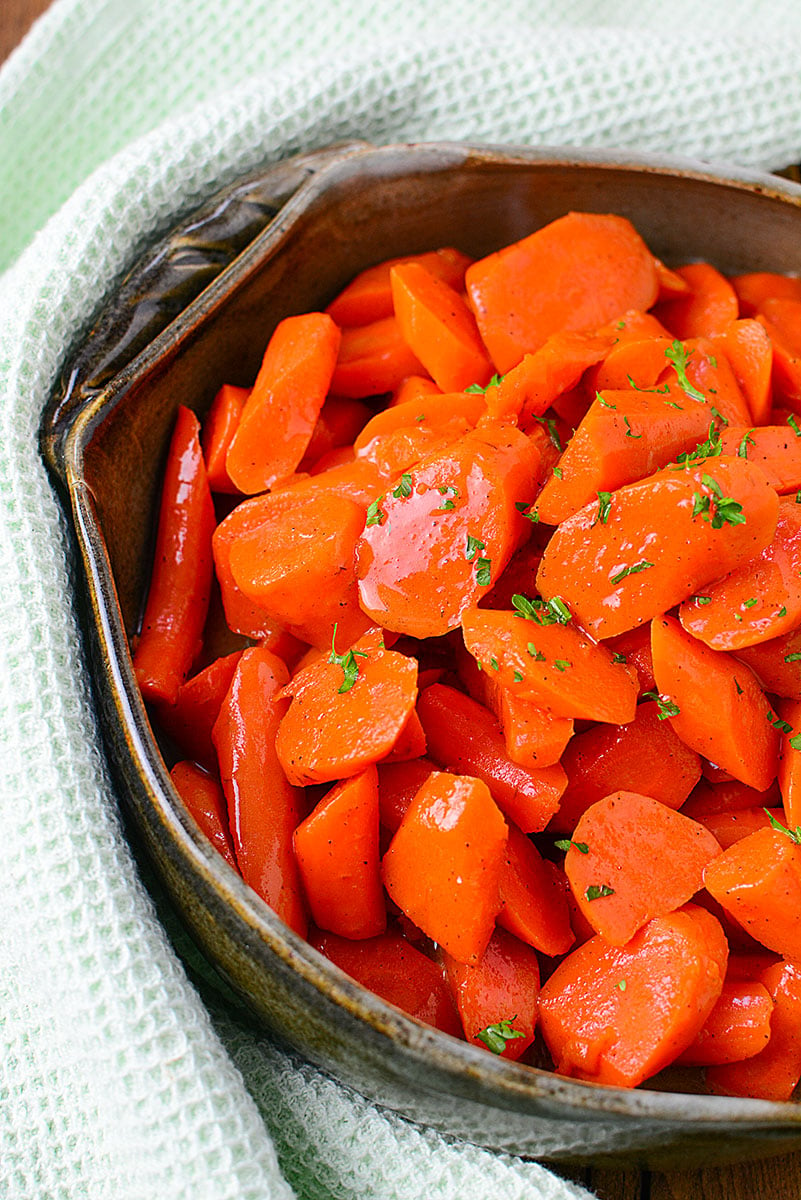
(775, 1179)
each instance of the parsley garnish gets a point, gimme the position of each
(543, 612)
(536, 654)
(792, 657)
(447, 505)
(747, 440)
(553, 433)
(678, 356)
(659, 391)
(561, 664)
(725, 509)
(483, 566)
(557, 472)
(518, 676)
(348, 663)
(707, 449)
(666, 707)
(791, 421)
(778, 723)
(621, 983)
(473, 547)
(375, 514)
(605, 403)
(793, 834)
(526, 511)
(629, 431)
(476, 387)
(604, 502)
(702, 599)
(404, 488)
(496, 1036)
(635, 570)
(619, 658)
(596, 890)
(749, 603)
(494, 664)
(566, 843)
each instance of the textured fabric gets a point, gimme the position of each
(117, 1080)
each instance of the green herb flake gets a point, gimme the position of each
(629, 431)
(604, 504)
(702, 599)
(553, 433)
(526, 511)
(479, 390)
(711, 447)
(749, 603)
(739, 689)
(536, 654)
(348, 663)
(483, 567)
(474, 545)
(793, 834)
(746, 441)
(404, 488)
(659, 391)
(496, 1036)
(557, 472)
(494, 664)
(778, 723)
(447, 505)
(597, 890)
(542, 612)
(791, 421)
(798, 497)
(782, 612)
(566, 843)
(561, 664)
(518, 677)
(604, 403)
(619, 658)
(666, 707)
(621, 984)
(718, 509)
(420, 417)
(633, 570)
(795, 742)
(678, 356)
(788, 658)
(375, 514)
(717, 413)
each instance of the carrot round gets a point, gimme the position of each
(738, 1026)
(180, 585)
(534, 903)
(497, 997)
(708, 308)
(758, 881)
(455, 827)
(368, 296)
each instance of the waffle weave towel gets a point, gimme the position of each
(120, 1079)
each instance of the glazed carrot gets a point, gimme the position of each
(639, 362)
(398, 784)
(774, 448)
(347, 711)
(180, 584)
(373, 359)
(219, 427)
(531, 387)
(575, 274)
(411, 743)
(760, 599)
(625, 436)
(747, 347)
(520, 574)
(707, 799)
(789, 776)
(464, 737)
(534, 902)
(730, 827)
(634, 648)
(340, 421)
(715, 704)
(776, 663)
(619, 1014)
(263, 808)
(437, 539)
(415, 387)
(203, 796)
(663, 539)
(368, 297)
(397, 972)
(738, 1026)
(439, 328)
(755, 287)
(631, 858)
(644, 756)
(336, 847)
(497, 997)
(551, 662)
(282, 409)
(455, 827)
(671, 284)
(781, 320)
(298, 566)
(773, 1074)
(709, 308)
(758, 880)
(698, 370)
(398, 437)
(190, 720)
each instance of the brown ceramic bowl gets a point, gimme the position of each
(291, 238)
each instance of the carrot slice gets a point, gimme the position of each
(340, 421)
(781, 320)
(738, 1026)
(534, 902)
(397, 972)
(747, 347)
(400, 436)
(758, 880)
(347, 711)
(553, 664)
(415, 387)
(531, 387)
(284, 404)
(619, 1014)
(775, 448)
(180, 585)
(398, 784)
(699, 371)
(709, 308)
(575, 274)
(671, 284)
(630, 859)
(755, 287)
(497, 997)
(708, 799)
(445, 532)
(758, 601)
(219, 426)
(776, 663)
(715, 704)
(439, 328)
(368, 296)
(790, 761)
(190, 720)
(664, 538)
(639, 362)
(634, 648)
(464, 737)
(644, 756)
(203, 796)
(624, 436)
(454, 826)
(263, 809)
(337, 851)
(730, 827)
(373, 359)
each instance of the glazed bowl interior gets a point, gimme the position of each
(366, 206)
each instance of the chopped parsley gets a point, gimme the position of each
(518, 676)
(566, 843)
(749, 603)
(375, 514)
(747, 440)
(666, 707)
(788, 658)
(474, 545)
(496, 1036)
(778, 723)
(447, 505)
(629, 431)
(619, 658)
(659, 391)
(527, 511)
(621, 984)
(702, 599)
(483, 567)
(605, 403)
(561, 664)
(536, 654)
(678, 356)
(793, 834)
(348, 663)
(596, 890)
(633, 570)
(542, 612)
(709, 448)
(717, 508)
(404, 488)
(604, 504)
(791, 421)
(553, 432)
(476, 387)
(557, 472)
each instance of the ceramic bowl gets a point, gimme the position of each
(279, 243)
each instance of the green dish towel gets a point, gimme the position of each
(119, 1078)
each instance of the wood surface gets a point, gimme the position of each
(772, 1179)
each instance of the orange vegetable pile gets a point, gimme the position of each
(474, 637)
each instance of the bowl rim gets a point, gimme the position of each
(510, 1082)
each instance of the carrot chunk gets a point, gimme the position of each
(747, 347)
(368, 296)
(738, 1026)
(755, 287)
(758, 881)
(190, 720)
(497, 996)
(373, 359)
(399, 436)
(203, 796)
(534, 903)
(709, 307)
(219, 427)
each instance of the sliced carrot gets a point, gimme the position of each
(699, 371)
(393, 969)
(775, 448)
(625, 436)
(219, 427)
(758, 880)
(263, 808)
(415, 387)
(203, 796)
(340, 421)
(738, 1026)
(464, 737)
(709, 308)
(368, 296)
(747, 347)
(373, 359)
(531, 387)
(336, 847)
(639, 362)
(644, 756)
(552, 663)
(575, 274)
(497, 996)
(760, 599)
(345, 715)
(755, 287)
(707, 799)
(439, 328)
(534, 903)
(411, 743)
(773, 1074)
(781, 320)
(284, 404)
(180, 584)
(454, 826)
(398, 437)
(730, 827)
(634, 648)
(776, 663)
(671, 284)
(398, 784)
(715, 704)
(446, 530)
(619, 1014)
(631, 858)
(190, 720)
(664, 538)
(790, 760)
